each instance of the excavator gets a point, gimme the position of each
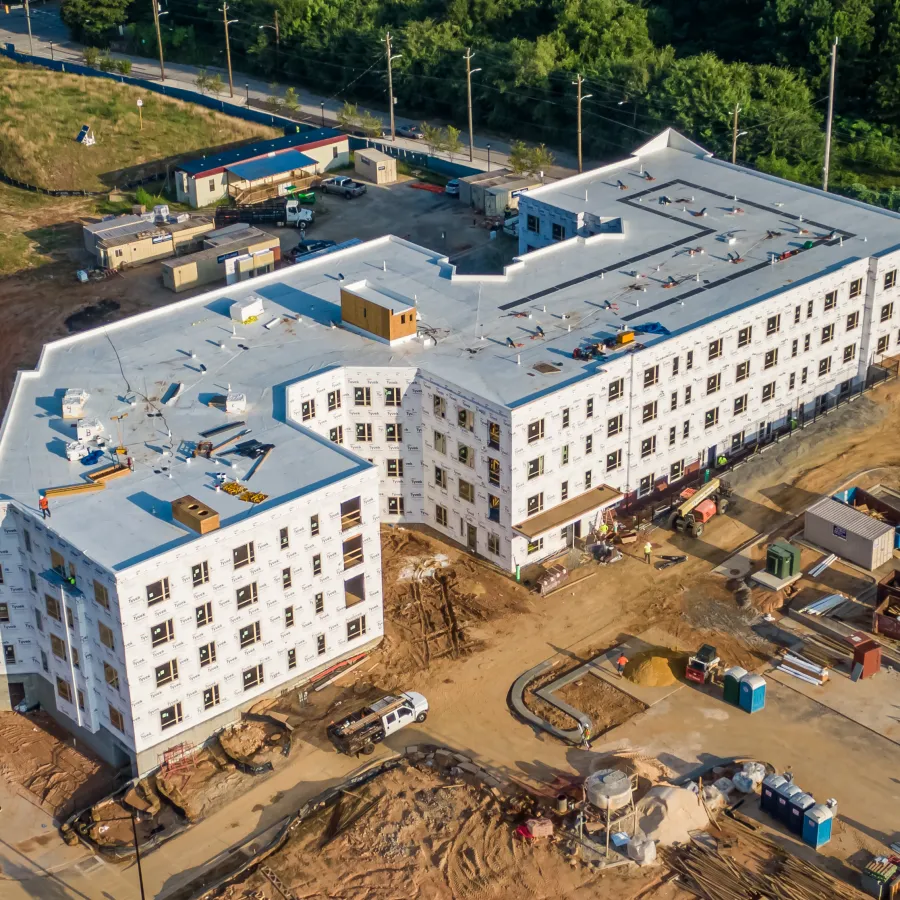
(699, 505)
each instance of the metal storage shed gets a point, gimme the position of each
(849, 533)
(375, 166)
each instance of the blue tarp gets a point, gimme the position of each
(272, 165)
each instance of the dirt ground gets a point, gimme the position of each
(37, 755)
(417, 835)
(438, 602)
(606, 706)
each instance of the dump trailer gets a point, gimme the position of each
(361, 731)
(699, 505)
(274, 212)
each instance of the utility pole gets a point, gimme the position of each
(581, 97)
(277, 39)
(28, 19)
(469, 71)
(830, 114)
(162, 66)
(228, 22)
(387, 44)
(734, 134)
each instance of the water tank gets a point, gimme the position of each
(608, 789)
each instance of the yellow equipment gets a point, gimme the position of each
(121, 449)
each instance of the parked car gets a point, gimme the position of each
(410, 131)
(341, 184)
(305, 248)
(451, 189)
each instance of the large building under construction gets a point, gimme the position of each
(663, 310)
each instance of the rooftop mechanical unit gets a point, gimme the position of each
(73, 402)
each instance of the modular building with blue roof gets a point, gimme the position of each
(201, 182)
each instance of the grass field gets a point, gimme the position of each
(41, 112)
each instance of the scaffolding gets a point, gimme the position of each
(180, 758)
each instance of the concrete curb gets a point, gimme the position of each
(515, 700)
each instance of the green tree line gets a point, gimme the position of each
(647, 65)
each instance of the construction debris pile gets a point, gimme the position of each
(190, 784)
(431, 830)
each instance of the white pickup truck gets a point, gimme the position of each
(360, 731)
(341, 184)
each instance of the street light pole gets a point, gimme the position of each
(581, 97)
(469, 72)
(137, 853)
(28, 19)
(489, 157)
(228, 22)
(322, 104)
(277, 29)
(162, 66)
(247, 88)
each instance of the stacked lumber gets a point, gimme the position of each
(804, 668)
(712, 875)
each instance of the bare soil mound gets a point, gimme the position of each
(659, 667)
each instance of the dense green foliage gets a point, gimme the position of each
(91, 20)
(646, 65)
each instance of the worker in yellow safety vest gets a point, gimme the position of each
(648, 551)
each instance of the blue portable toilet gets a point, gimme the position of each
(753, 693)
(797, 806)
(783, 801)
(768, 791)
(817, 822)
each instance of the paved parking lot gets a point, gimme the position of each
(432, 220)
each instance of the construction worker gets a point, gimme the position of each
(130, 463)
(722, 460)
(585, 732)
(44, 504)
(648, 551)
(621, 662)
(604, 530)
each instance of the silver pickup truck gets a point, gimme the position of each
(341, 184)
